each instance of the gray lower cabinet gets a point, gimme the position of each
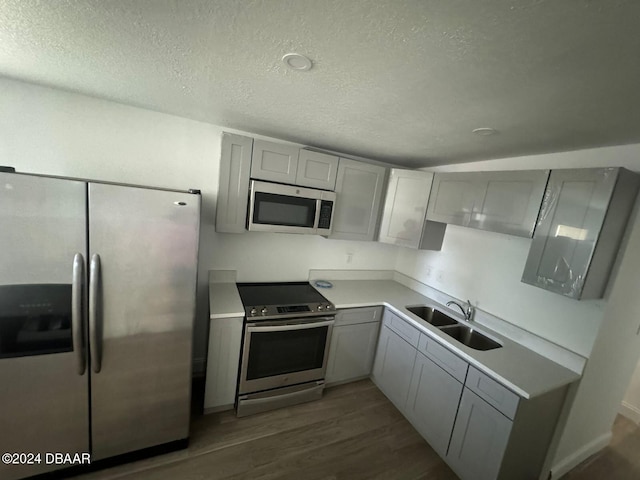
(497, 434)
(359, 189)
(582, 222)
(233, 183)
(483, 430)
(393, 366)
(353, 344)
(432, 403)
(504, 202)
(479, 439)
(223, 362)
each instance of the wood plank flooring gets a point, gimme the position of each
(352, 433)
(619, 461)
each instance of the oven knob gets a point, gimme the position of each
(328, 307)
(253, 311)
(264, 310)
(320, 307)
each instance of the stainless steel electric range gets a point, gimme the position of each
(287, 331)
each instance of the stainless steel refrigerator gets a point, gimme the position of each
(97, 304)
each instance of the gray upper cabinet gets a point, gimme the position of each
(317, 170)
(582, 222)
(403, 219)
(274, 162)
(233, 184)
(504, 202)
(359, 187)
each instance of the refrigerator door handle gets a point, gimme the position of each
(77, 316)
(95, 336)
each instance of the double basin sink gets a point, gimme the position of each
(462, 333)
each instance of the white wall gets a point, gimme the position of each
(486, 268)
(631, 401)
(611, 364)
(49, 131)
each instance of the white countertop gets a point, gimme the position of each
(522, 370)
(224, 301)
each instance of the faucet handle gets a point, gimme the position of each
(469, 312)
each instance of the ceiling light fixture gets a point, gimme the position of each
(484, 131)
(295, 61)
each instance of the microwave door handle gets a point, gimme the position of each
(316, 221)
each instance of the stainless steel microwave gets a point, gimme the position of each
(289, 209)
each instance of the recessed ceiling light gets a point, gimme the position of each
(484, 131)
(295, 61)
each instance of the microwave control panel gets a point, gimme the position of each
(326, 208)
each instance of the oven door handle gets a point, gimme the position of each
(256, 327)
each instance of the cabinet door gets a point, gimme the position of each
(433, 401)
(317, 170)
(393, 367)
(233, 184)
(479, 439)
(274, 162)
(453, 196)
(405, 207)
(359, 188)
(509, 202)
(573, 214)
(225, 338)
(503, 202)
(351, 351)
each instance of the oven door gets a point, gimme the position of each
(285, 352)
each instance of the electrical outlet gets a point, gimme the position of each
(349, 257)
(428, 271)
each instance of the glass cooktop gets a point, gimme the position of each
(282, 300)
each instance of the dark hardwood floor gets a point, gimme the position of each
(619, 461)
(352, 433)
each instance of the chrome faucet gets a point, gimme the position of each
(467, 312)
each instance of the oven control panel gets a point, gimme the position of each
(286, 311)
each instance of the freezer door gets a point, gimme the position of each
(143, 246)
(44, 400)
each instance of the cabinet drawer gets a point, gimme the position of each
(444, 358)
(402, 328)
(493, 392)
(354, 316)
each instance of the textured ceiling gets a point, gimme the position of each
(400, 81)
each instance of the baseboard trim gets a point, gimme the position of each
(219, 408)
(630, 411)
(576, 458)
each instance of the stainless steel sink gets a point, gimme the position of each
(470, 337)
(431, 315)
